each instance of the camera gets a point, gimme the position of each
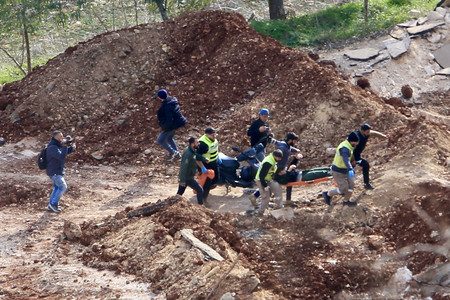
(69, 140)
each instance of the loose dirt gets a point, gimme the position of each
(223, 73)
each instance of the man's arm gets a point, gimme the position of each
(263, 173)
(254, 129)
(54, 152)
(378, 134)
(345, 155)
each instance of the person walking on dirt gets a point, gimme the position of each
(259, 130)
(188, 169)
(342, 171)
(266, 183)
(170, 119)
(56, 153)
(207, 156)
(284, 169)
(363, 135)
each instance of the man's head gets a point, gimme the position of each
(57, 135)
(277, 154)
(193, 143)
(353, 139)
(162, 94)
(291, 139)
(264, 114)
(365, 129)
(210, 133)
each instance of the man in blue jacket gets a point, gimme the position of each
(170, 119)
(56, 152)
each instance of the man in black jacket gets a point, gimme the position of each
(258, 130)
(363, 135)
(170, 119)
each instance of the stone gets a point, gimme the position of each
(375, 241)
(252, 283)
(362, 54)
(72, 230)
(189, 236)
(2, 141)
(429, 70)
(398, 48)
(97, 155)
(398, 34)
(227, 296)
(445, 71)
(435, 16)
(411, 23)
(286, 212)
(442, 11)
(251, 93)
(424, 28)
(434, 38)
(442, 56)
(414, 13)
(421, 21)
(436, 274)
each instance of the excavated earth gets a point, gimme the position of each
(394, 244)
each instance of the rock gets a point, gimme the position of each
(411, 23)
(251, 93)
(414, 13)
(435, 16)
(398, 34)
(398, 48)
(434, 38)
(2, 141)
(189, 236)
(228, 296)
(445, 71)
(442, 11)
(437, 274)
(97, 155)
(286, 212)
(402, 276)
(421, 21)
(362, 54)
(429, 70)
(147, 151)
(253, 283)
(72, 230)
(375, 241)
(442, 56)
(424, 28)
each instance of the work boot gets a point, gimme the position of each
(326, 198)
(171, 156)
(54, 208)
(368, 186)
(349, 203)
(177, 155)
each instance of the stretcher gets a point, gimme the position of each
(313, 181)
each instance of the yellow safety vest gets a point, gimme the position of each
(338, 159)
(213, 148)
(271, 160)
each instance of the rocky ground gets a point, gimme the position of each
(394, 244)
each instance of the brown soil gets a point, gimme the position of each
(222, 72)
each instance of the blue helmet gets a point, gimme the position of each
(264, 111)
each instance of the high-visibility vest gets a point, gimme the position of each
(338, 159)
(213, 148)
(271, 160)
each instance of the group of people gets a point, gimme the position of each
(202, 155)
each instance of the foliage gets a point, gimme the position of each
(10, 73)
(341, 22)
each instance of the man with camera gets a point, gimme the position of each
(56, 153)
(259, 130)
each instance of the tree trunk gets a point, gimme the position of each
(162, 10)
(366, 11)
(136, 11)
(26, 37)
(276, 10)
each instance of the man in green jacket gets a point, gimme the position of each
(265, 180)
(188, 169)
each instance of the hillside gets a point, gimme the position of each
(223, 72)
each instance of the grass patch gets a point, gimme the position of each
(10, 73)
(341, 22)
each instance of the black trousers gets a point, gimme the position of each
(365, 168)
(195, 186)
(210, 182)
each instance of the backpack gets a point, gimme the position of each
(42, 159)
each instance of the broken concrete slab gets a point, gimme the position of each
(421, 21)
(424, 28)
(411, 23)
(362, 54)
(429, 70)
(286, 212)
(398, 34)
(441, 11)
(189, 236)
(445, 71)
(398, 48)
(442, 56)
(436, 274)
(435, 16)
(379, 59)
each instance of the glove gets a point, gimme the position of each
(266, 188)
(219, 160)
(204, 170)
(351, 173)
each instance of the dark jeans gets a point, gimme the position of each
(165, 139)
(195, 186)
(365, 168)
(209, 182)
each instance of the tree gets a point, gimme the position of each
(276, 10)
